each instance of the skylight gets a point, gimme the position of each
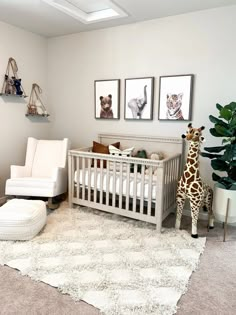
(88, 11)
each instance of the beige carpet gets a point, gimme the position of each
(211, 289)
(119, 265)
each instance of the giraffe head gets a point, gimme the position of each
(194, 134)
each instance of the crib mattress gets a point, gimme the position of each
(114, 179)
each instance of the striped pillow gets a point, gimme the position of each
(117, 152)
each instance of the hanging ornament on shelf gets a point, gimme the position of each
(12, 83)
(35, 106)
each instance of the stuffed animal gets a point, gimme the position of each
(154, 156)
(142, 154)
(10, 87)
(32, 109)
(106, 104)
(17, 84)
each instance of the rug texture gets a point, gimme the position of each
(118, 265)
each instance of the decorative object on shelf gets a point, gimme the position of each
(175, 97)
(223, 159)
(139, 98)
(12, 83)
(191, 185)
(107, 99)
(35, 106)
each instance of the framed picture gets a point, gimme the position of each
(175, 97)
(139, 98)
(107, 99)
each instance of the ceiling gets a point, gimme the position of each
(40, 18)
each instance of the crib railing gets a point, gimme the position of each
(119, 184)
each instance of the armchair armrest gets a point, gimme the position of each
(59, 174)
(19, 171)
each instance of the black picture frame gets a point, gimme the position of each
(139, 94)
(107, 99)
(175, 97)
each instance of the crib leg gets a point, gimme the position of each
(158, 227)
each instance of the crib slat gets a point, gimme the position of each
(101, 183)
(107, 183)
(135, 187)
(114, 184)
(150, 191)
(76, 162)
(159, 196)
(83, 181)
(95, 180)
(142, 188)
(120, 184)
(89, 179)
(127, 187)
(156, 193)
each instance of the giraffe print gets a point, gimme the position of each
(191, 186)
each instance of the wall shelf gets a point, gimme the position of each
(35, 108)
(37, 115)
(12, 84)
(13, 95)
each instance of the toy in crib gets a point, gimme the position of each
(154, 156)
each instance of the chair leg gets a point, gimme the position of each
(52, 203)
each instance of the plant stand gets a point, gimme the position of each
(224, 206)
(226, 219)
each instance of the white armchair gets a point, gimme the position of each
(45, 171)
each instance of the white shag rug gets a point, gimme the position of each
(118, 265)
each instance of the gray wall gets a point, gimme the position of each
(30, 52)
(201, 43)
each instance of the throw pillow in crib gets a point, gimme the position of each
(103, 149)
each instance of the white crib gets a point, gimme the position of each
(116, 189)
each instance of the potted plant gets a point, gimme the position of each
(223, 159)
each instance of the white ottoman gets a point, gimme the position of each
(22, 219)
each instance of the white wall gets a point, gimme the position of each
(201, 43)
(30, 53)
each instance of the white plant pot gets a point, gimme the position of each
(220, 197)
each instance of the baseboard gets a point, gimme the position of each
(203, 216)
(2, 200)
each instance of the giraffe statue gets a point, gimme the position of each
(191, 185)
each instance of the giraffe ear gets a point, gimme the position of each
(190, 125)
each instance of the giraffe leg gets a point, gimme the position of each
(208, 202)
(195, 207)
(180, 200)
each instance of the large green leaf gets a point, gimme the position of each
(232, 123)
(218, 121)
(210, 155)
(215, 133)
(232, 173)
(226, 113)
(219, 107)
(215, 149)
(233, 163)
(225, 181)
(219, 165)
(230, 152)
(225, 132)
(215, 177)
(231, 106)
